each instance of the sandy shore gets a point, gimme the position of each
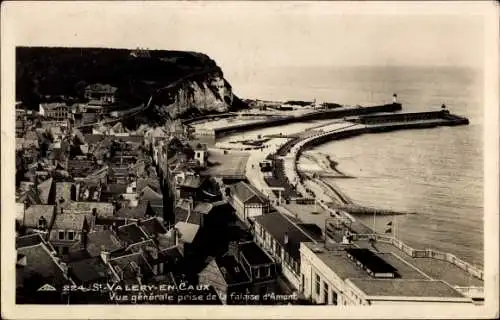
(340, 200)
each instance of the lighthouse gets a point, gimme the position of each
(394, 98)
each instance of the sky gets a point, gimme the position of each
(249, 35)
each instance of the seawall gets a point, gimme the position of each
(390, 122)
(317, 115)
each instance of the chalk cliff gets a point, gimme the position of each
(176, 84)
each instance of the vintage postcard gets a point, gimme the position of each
(216, 159)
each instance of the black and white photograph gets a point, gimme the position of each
(334, 159)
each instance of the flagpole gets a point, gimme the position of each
(374, 212)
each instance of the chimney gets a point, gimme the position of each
(175, 235)
(84, 240)
(285, 240)
(105, 256)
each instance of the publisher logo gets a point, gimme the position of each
(47, 287)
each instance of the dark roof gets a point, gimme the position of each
(109, 221)
(254, 254)
(152, 182)
(98, 240)
(69, 221)
(41, 266)
(131, 233)
(133, 212)
(171, 253)
(44, 190)
(370, 260)
(89, 117)
(81, 167)
(35, 212)
(153, 226)
(231, 270)
(115, 188)
(246, 193)
(28, 240)
(149, 194)
(88, 270)
(157, 207)
(128, 263)
(93, 138)
(183, 215)
(278, 225)
(312, 229)
(30, 197)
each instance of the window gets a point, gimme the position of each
(325, 292)
(334, 298)
(268, 269)
(61, 235)
(318, 285)
(42, 223)
(71, 235)
(65, 250)
(257, 273)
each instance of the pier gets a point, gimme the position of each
(277, 120)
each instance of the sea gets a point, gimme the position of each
(435, 173)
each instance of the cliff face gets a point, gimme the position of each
(179, 84)
(208, 94)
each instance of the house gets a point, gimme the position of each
(189, 185)
(184, 212)
(156, 208)
(228, 278)
(102, 239)
(342, 274)
(148, 193)
(39, 217)
(141, 211)
(30, 140)
(131, 233)
(247, 201)
(88, 191)
(201, 154)
(30, 240)
(80, 167)
(54, 111)
(187, 233)
(88, 272)
(101, 209)
(280, 236)
(64, 194)
(46, 191)
(153, 227)
(69, 229)
(258, 265)
(40, 276)
(100, 94)
(29, 197)
(130, 267)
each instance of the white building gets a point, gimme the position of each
(343, 274)
(247, 201)
(280, 236)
